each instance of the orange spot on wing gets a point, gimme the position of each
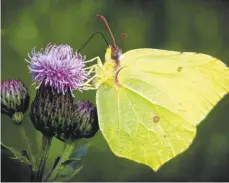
(156, 119)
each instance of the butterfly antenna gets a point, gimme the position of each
(91, 38)
(108, 27)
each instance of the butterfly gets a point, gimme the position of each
(150, 101)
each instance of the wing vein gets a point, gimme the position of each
(204, 70)
(139, 121)
(149, 100)
(171, 147)
(119, 119)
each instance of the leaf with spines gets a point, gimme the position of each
(21, 156)
(68, 168)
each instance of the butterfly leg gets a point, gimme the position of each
(89, 80)
(92, 60)
(99, 62)
(91, 69)
(89, 87)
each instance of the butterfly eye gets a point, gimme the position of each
(116, 53)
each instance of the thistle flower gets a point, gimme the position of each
(50, 109)
(55, 114)
(58, 67)
(14, 99)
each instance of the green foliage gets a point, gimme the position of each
(17, 155)
(66, 167)
(72, 166)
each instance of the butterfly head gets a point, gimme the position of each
(116, 53)
(113, 53)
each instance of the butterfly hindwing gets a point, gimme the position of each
(139, 130)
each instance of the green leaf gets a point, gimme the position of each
(56, 162)
(79, 152)
(68, 171)
(24, 153)
(72, 166)
(70, 161)
(21, 156)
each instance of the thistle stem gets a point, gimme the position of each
(46, 144)
(28, 147)
(69, 148)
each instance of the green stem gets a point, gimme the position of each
(46, 144)
(69, 148)
(28, 147)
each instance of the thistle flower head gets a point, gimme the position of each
(58, 67)
(50, 110)
(14, 99)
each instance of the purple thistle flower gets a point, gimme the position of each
(58, 67)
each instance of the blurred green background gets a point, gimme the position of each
(182, 25)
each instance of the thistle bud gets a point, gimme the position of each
(84, 123)
(14, 99)
(88, 125)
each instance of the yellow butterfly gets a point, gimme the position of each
(150, 101)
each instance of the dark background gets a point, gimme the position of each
(181, 25)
